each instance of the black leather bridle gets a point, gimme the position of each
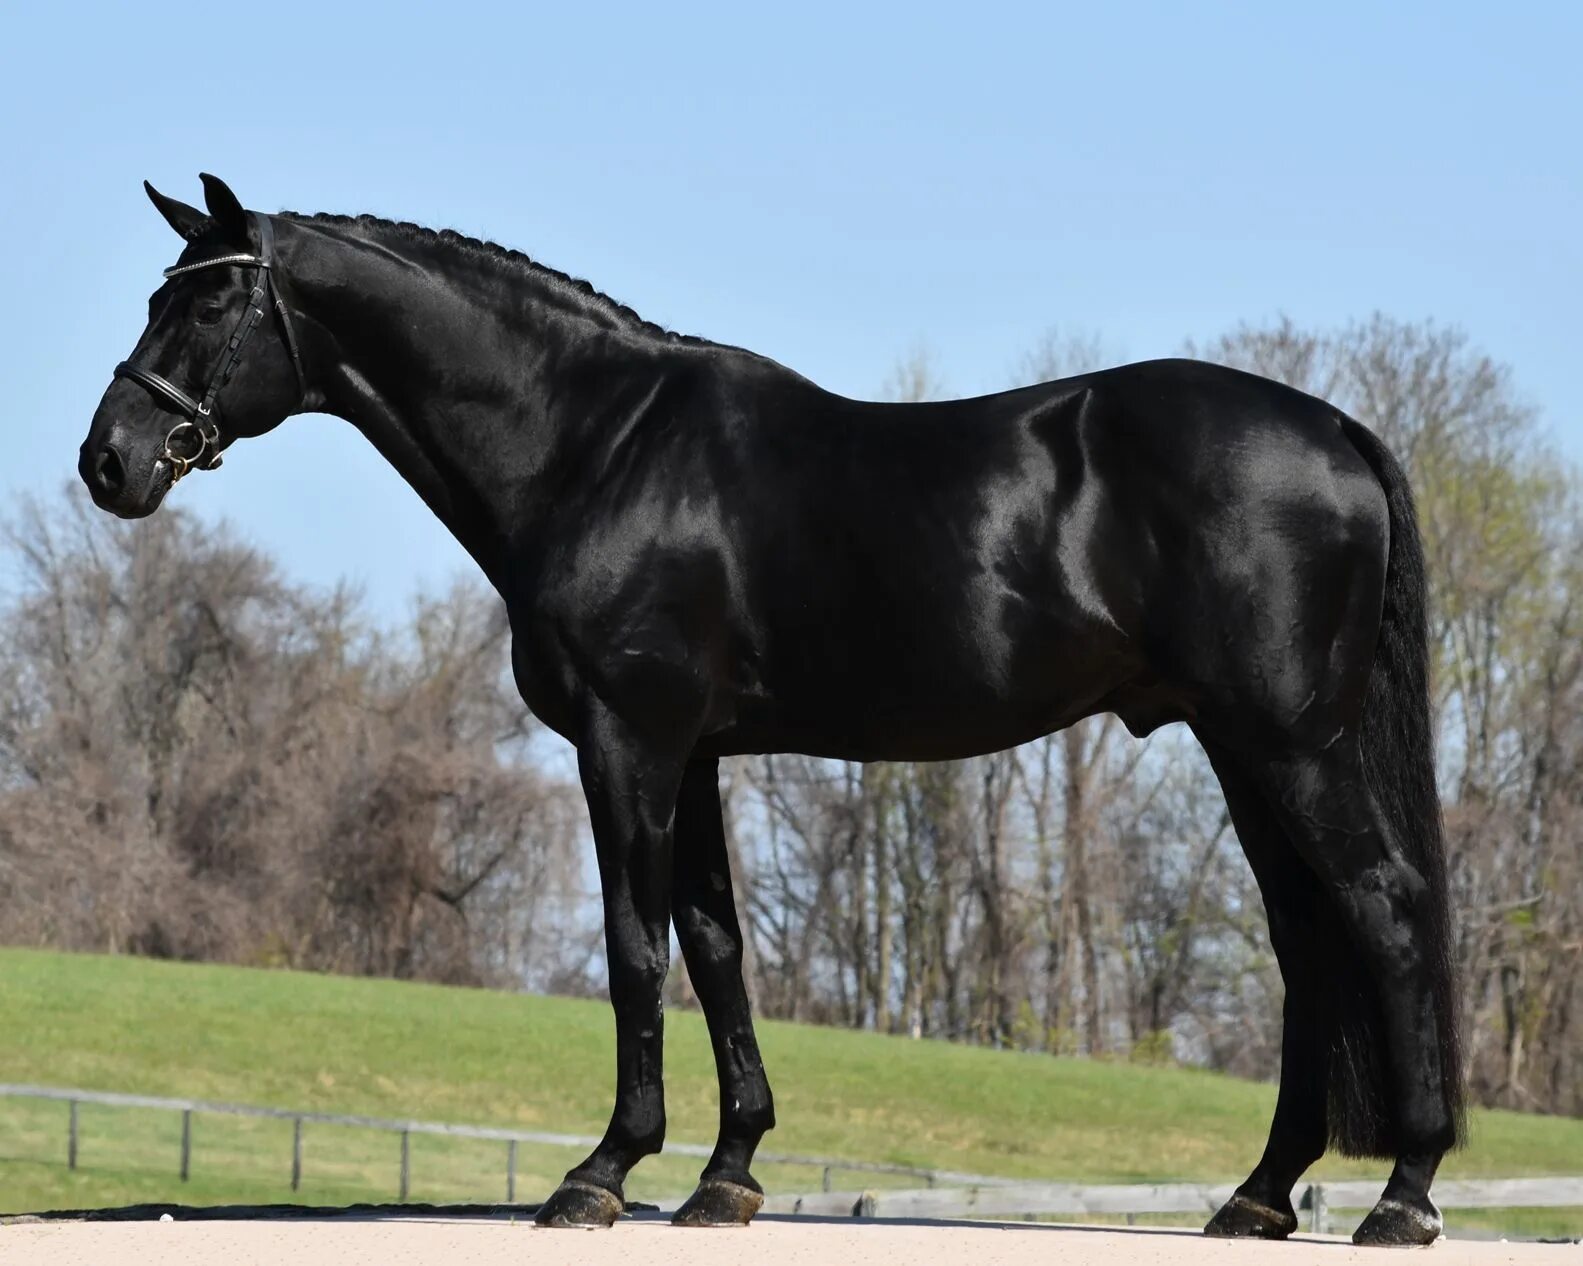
(196, 442)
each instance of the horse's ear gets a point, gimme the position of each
(187, 221)
(224, 207)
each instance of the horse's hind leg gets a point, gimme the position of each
(1324, 802)
(1299, 915)
(704, 910)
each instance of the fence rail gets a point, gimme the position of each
(829, 1166)
(947, 1193)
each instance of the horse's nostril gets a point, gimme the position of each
(108, 471)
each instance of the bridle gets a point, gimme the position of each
(199, 427)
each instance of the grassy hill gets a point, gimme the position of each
(382, 1048)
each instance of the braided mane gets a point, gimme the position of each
(514, 260)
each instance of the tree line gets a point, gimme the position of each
(201, 759)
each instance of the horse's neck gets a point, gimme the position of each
(455, 374)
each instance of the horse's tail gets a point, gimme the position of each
(1399, 762)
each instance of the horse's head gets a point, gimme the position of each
(217, 361)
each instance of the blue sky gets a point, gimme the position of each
(828, 184)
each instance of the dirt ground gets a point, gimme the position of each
(651, 1241)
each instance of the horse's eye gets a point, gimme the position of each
(209, 313)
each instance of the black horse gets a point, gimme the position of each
(703, 553)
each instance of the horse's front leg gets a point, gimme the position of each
(631, 784)
(711, 941)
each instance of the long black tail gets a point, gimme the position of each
(1399, 763)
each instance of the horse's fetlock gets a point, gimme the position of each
(751, 1119)
(647, 1138)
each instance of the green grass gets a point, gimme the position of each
(388, 1049)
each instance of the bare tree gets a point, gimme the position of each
(200, 760)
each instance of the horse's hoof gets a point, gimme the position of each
(1242, 1218)
(1396, 1223)
(580, 1204)
(719, 1203)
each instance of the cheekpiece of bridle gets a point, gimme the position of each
(196, 441)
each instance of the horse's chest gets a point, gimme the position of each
(544, 674)
(542, 601)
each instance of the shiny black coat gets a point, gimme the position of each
(703, 553)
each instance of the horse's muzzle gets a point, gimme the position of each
(113, 484)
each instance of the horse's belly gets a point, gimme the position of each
(925, 699)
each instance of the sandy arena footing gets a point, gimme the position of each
(649, 1240)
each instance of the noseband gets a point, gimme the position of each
(196, 442)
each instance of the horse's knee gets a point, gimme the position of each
(709, 948)
(637, 974)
